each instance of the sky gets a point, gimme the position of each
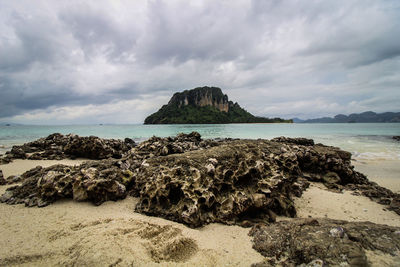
(80, 62)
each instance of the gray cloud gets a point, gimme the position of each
(276, 58)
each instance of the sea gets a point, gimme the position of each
(366, 141)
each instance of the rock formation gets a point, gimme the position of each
(323, 242)
(2, 180)
(95, 181)
(203, 105)
(200, 97)
(195, 181)
(57, 146)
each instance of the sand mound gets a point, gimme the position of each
(125, 239)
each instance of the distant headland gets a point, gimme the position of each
(204, 105)
(364, 117)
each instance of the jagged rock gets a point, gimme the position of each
(314, 263)
(376, 193)
(397, 137)
(304, 241)
(5, 159)
(195, 181)
(296, 141)
(246, 180)
(10, 179)
(395, 204)
(331, 178)
(57, 146)
(157, 146)
(2, 180)
(244, 184)
(93, 181)
(93, 147)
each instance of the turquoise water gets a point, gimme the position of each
(364, 140)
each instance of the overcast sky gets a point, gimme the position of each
(119, 61)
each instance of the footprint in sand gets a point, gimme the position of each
(124, 242)
(166, 243)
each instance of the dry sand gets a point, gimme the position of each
(80, 234)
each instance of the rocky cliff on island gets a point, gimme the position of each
(204, 105)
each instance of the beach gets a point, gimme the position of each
(199, 133)
(79, 233)
(70, 233)
(78, 225)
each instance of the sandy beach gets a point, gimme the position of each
(69, 233)
(74, 233)
(384, 172)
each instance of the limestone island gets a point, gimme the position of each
(204, 105)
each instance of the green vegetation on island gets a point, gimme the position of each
(204, 105)
(365, 117)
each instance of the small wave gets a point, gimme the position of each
(376, 156)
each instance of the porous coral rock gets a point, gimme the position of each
(296, 141)
(2, 180)
(299, 242)
(249, 180)
(195, 181)
(57, 146)
(93, 181)
(158, 146)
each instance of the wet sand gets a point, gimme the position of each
(384, 172)
(317, 201)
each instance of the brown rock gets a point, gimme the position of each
(190, 180)
(395, 205)
(57, 146)
(303, 241)
(2, 180)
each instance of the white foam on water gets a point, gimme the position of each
(376, 156)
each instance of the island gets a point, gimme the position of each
(365, 117)
(204, 105)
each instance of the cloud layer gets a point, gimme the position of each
(118, 61)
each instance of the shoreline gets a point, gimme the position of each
(384, 172)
